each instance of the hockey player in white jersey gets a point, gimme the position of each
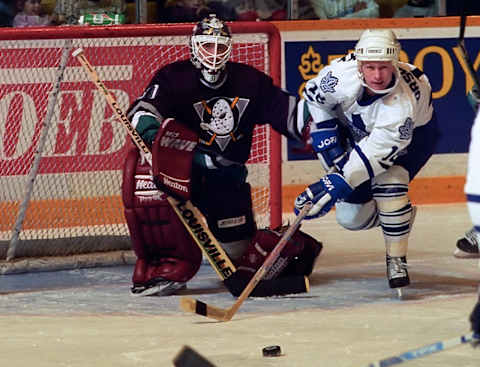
(372, 126)
(472, 190)
(468, 246)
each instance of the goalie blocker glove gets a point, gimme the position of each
(172, 155)
(288, 274)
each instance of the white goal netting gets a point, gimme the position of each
(61, 148)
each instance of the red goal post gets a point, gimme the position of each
(61, 149)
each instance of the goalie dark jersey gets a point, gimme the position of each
(224, 118)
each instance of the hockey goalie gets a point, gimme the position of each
(199, 116)
(168, 257)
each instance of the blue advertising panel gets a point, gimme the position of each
(438, 58)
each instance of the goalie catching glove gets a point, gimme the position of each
(287, 275)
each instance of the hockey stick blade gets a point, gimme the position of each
(423, 351)
(195, 306)
(202, 309)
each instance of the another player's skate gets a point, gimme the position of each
(467, 247)
(397, 273)
(160, 288)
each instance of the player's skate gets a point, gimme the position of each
(467, 247)
(397, 273)
(161, 287)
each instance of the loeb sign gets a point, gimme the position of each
(82, 128)
(83, 134)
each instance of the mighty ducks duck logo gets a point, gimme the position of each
(220, 117)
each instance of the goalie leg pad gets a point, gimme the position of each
(296, 258)
(288, 275)
(158, 236)
(267, 288)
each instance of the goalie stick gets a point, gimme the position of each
(463, 51)
(200, 308)
(186, 212)
(423, 351)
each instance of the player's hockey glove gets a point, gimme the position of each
(326, 144)
(475, 323)
(323, 194)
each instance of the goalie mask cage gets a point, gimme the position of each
(62, 150)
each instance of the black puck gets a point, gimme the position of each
(272, 351)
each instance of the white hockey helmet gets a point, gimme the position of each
(378, 45)
(210, 47)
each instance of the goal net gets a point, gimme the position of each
(62, 149)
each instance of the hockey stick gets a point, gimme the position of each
(423, 351)
(186, 212)
(195, 306)
(463, 51)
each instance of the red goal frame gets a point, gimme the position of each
(272, 67)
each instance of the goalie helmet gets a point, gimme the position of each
(378, 45)
(210, 48)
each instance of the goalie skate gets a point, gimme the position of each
(397, 273)
(467, 247)
(160, 288)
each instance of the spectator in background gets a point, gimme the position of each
(181, 11)
(97, 6)
(417, 8)
(330, 9)
(304, 10)
(6, 13)
(68, 11)
(252, 10)
(31, 15)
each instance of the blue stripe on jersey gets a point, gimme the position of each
(473, 198)
(318, 125)
(358, 122)
(367, 99)
(417, 73)
(365, 161)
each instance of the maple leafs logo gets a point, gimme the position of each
(406, 130)
(328, 83)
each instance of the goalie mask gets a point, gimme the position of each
(210, 48)
(378, 45)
